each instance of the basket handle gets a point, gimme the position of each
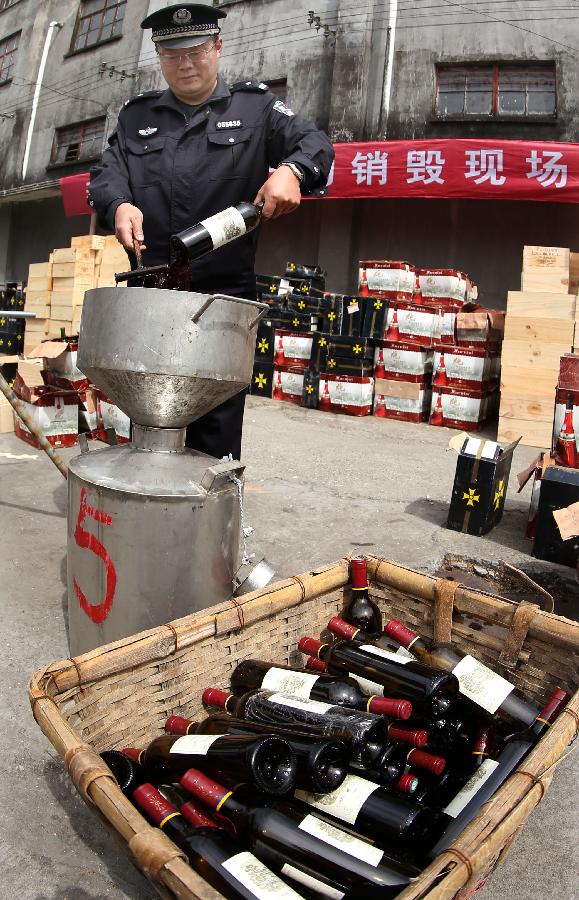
(517, 633)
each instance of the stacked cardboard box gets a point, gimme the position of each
(56, 288)
(539, 329)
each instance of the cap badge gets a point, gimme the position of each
(181, 15)
(147, 132)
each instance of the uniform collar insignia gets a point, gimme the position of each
(147, 132)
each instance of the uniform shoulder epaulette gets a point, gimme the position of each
(256, 87)
(142, 96)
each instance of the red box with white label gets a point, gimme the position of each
(110, 416)
(347, 394)
(292, 348)
(464, 367)
(411, 324)
(448, 288)
(467, 410)
(561, 396)
(53, 410)
(59, 364)
(408, 362)
(408, 401)
(392, 279)
(569, 372)
(288, 382)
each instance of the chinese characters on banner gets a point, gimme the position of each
(498, 170)
(483, 170)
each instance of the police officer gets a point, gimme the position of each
(182, 155)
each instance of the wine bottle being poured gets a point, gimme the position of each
(192, 243)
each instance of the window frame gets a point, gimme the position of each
(115, 4)
(9, 6)
(13, 52)
(55, 163)
(497, 67)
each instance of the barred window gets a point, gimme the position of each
(8, 48)
(497, 91)
(98, 20)
(78, 142)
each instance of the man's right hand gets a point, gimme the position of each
(129, 226)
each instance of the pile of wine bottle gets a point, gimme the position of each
(343, 778)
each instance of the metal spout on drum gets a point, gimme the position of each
(166, 358)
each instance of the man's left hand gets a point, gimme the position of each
(280, 193)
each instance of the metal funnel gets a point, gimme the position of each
(167, 357)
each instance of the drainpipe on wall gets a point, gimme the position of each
(37, 88)
(391, 41)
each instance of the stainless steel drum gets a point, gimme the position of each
(152, 536)
(153, 528)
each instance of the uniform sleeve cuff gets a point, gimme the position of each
(312, 173)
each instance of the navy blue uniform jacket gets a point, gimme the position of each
(179, 171)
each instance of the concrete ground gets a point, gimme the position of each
(318, 486)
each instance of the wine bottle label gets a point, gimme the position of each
(313, 706)
(325, 890)
(345, 802)
(225, 226)
(481, 685)
(343, 840)
(195, 743)
(369, 687)
(387, 654)
(296, 684)
(257, 878)
(473, 785)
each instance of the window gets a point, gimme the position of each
(498, 91)
(8, 48)
(98, 20)
(78, 142)
(279, 87)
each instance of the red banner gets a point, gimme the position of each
(444, 169)
(73, 189)
(478, 170)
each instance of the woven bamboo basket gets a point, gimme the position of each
(121, 695)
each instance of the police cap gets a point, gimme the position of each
(184, 25)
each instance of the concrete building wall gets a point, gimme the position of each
(73, 90)
(527, 32)
(373, 78)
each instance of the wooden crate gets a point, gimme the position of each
(121, 695)
(534, 433)
(546, 257)
(553, 280)
(88, 242)
(540, 304)
(538, 330)
(514, 406)
(72, 256)
(82, 271)
(535, 384)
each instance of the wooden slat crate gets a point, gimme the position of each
(121, 694)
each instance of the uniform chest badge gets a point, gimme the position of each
(147, 132)
(230, 123)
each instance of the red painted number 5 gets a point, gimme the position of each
(97, 613)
